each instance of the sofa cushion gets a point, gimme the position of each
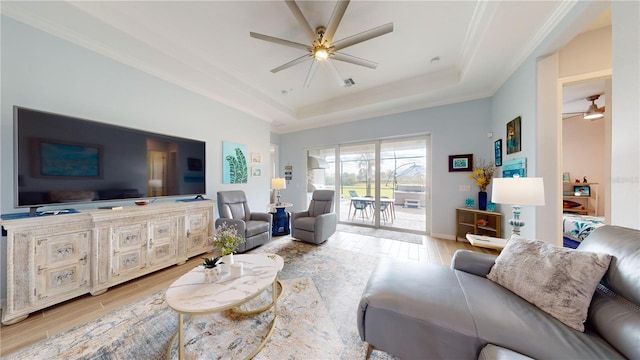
(557, 280)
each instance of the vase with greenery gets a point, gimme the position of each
(211, 269)
(482, 174)
(227, 239)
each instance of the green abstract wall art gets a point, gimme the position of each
(234, 163)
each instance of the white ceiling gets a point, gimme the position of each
(205, 46)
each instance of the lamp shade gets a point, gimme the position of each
(518, 191)
(278, 184)
(155, 183)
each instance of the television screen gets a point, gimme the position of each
(61, 159)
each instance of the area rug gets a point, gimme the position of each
(316, 318)
(382, 233)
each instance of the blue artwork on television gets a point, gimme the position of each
(58, 159)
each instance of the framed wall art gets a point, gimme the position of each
(515, 167)
(514, 136)
(256, 158)
(461, 162)
(256, 171)
(234, 163)
(497, 147)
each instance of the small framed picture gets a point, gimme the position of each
(497, 146)
(583, 190)
(256, 158)
(461, 162)
(513, 136)
(566, 177)
(256, 171)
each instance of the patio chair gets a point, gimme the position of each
(360, 205)
(353, 193)
(384, 209)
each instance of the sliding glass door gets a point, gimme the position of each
(383, 184)
(403, 179)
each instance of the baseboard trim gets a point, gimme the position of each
(443, 236)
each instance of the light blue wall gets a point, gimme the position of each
(454, 129)
(43, 72)
(517, 98)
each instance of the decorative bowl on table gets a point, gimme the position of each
(141, 202)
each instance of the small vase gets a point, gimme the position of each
(211, 274)
(227, 261)
(482, 200)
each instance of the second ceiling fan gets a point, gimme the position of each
(593, 112)
(322, 48)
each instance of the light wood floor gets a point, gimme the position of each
(64, 316)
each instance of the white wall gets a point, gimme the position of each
(625, 149)
(43, 72)
(455, 129)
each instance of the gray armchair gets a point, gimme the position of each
(317, 223)
(234, 210)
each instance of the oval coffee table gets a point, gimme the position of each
(191, 294)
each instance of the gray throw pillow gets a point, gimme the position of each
(557, 280)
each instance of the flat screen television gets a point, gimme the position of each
(60, 159)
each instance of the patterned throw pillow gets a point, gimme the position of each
(557, 280)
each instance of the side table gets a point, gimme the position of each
(281, 219)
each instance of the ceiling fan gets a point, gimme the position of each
(592, 113)
(322, 48)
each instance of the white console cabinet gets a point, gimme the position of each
(51, 259)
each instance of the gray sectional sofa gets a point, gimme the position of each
(425, 311)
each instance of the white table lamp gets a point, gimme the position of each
(155, 184)
(278, 184)
(517, 192)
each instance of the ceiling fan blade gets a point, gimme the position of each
(312, 71)
(353, 60)
(295, 10)
(363, 36)
(336, 17)
(334, 70)
(297, 61)
(279, 41)
(570, 115)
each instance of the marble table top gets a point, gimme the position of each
(192, 294)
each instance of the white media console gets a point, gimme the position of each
(51, 259)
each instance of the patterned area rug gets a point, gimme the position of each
(316, 318)
(381, 233)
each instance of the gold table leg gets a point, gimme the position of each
(180, 338)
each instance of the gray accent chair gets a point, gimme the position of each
(319, 222)
(234, 210)
(425, 311)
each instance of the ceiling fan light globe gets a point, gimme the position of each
(592, 116)
(321, 54)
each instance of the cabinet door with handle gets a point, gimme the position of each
(129, 247)
(198, 227)
(163, 241)
(62, 268)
